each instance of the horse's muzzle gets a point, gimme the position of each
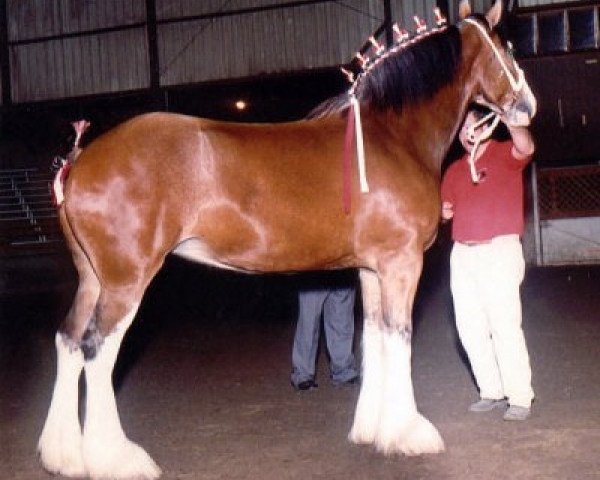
(523, 109)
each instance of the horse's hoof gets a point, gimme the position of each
(123, 460)
(66, 467)
(62, 457)
(366, 423)
(361, 436)
(417, 437)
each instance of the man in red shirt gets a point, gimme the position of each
(487, 265)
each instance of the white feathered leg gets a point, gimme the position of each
(366, 417)
(402, 429)
(386, 413)
(59, 445)
(107, 452)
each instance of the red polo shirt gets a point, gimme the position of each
(492, 207)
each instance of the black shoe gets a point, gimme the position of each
(305, 385)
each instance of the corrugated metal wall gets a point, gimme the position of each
(538, 3)
(54, 52)
(69, 67)
(30, 19)
(249, 44)
(69, 48)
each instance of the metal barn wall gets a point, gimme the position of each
(269, 41)
(110, 62)
(30, 19)
(50, 59)
(286, 39)
(68, 48)
(541, 3)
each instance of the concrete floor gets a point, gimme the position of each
(203, 381)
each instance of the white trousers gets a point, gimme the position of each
(485, 281)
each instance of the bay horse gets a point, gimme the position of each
(267, 198)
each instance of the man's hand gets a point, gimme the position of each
(523, 145)
(447, 210)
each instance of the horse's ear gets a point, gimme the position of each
(464, 9)
(494, 14)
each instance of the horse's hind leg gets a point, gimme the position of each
(60, 443)
(107, 451)
(90, 339)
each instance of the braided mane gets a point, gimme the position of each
(405, 74)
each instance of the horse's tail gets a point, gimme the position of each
(63, 165)
(58, 184)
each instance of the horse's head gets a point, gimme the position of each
(500, 83)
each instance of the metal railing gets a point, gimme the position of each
(28, 218)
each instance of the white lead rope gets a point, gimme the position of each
(360, 146)
(480, 138)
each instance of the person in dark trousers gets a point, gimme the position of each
(332, 298)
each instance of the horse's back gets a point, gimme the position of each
(253, 196)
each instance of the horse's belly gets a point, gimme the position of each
(276, 260)
(197, 251)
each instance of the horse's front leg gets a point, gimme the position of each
(401, 427)
(368, 408)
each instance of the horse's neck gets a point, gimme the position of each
(445, 111)
(429, 128)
